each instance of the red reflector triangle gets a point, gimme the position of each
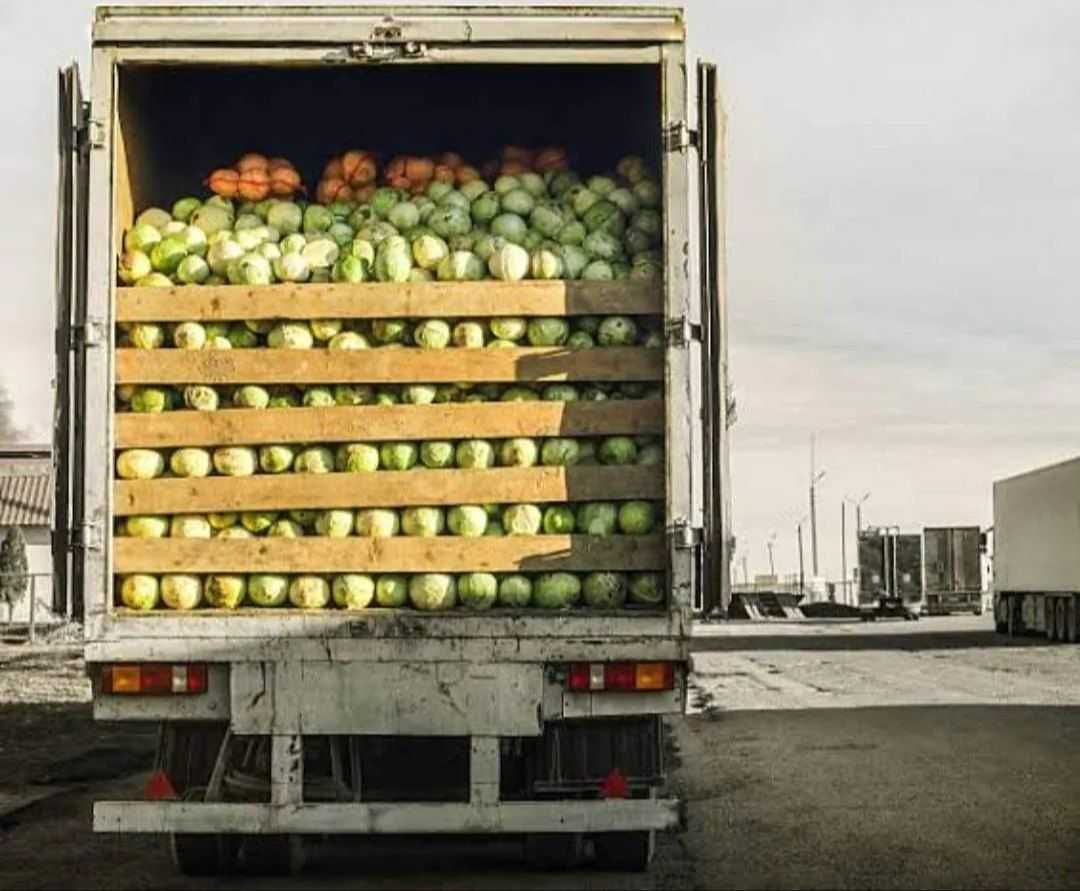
(159, 788)
(615, 785)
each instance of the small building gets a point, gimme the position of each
(25, 500)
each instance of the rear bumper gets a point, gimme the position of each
(617, 815)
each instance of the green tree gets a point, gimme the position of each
(14, 569)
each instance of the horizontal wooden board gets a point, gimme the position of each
(504, 485)
(381, 423)
(387, 366)
(541, 553)
(378, 300)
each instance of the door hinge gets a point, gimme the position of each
(684, 537)
(87, 537)
(681, 332)
(678, 137)
(91, 333)
(384, 50)
(89, 132)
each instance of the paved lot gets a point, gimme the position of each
(824, 755)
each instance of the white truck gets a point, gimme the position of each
(280, 724)
(1036, 562)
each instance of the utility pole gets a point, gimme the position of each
(802, 578)
(772, 564)
(815, 478)
(858, 502)
(843, 551)
(745, 572)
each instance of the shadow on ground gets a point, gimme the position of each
(906, 637)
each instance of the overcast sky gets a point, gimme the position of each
(904, 209)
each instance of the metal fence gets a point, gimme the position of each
(34, 606)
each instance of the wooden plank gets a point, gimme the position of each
(381, 423)
(377, 300)
(385, 366)
(540, 553)
(504, 485)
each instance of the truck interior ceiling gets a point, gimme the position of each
(178, 122)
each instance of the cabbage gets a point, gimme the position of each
(617, 331)
(485, 207)
(617, 450)
(518, 201)
(547, 219)
(461, 266)
(559, 452)
(235, 461)
(384, 200)
(139, 591)
(390, 330)
(183, 208)
(325, 329)
(304, 518)
(309, 592)
(469, 335)
(580, 340)
(286, 217)
(211, 218)
(511, 227)
(190, 463)
(258, 521)
(604, 216)
(432, 334)
(646, 588)
(225, 591)
(437, 455)
(233, 532)
(559, 393)
(222, 521)
(398, 455)
(546, 264)
(647, 191)
(222, 254)
(558, 520)
(181, 591)
(393, 259)
(242, 337)
(647, 270)
(336, 523)
(350, 270)
(192, 270)
(150, 400)
(375, 522)
(449, 220)
(189, 526)
(429, 251)
(134, 265)
(201, 397)
(543, 331)
(522, 519)
(348, 340)
(139, 464)
(432, 591)
(404, 215)
(508, 328)
(515, 591)
(624, 199)
(165, 255)
(357, 457)
(189, 336)
(519, 394)
(509, 263)
(268, 590)
(477, 590)
(598, 270)
(321, 253)
(146, 527)
(474, 454)
(597, 518)
(317, 459)
(650, 455)
(518, 452)
(319, 397)
(276, 458)
(391, 591)
(317, 219)
(253, 269)
(604, 590)
(586, 452)
(467, 520)
(251, 396)
(422, 522)
(418, 394)
(285, 529)
(637, 517)
(341, 234)
(556, 590)
(290, 336)
(353, 591)
(494, 528)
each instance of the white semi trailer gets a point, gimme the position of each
(280, 724)
(1036, 562)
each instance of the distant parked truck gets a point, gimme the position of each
(890, 567)
(953, 561)
(1036, 579)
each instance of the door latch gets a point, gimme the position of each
(90, 333)
(684, 537)
(681, 332)
(678, 137)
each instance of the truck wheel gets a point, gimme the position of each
(272, 855)
(624, 851)
(551, 851)
(204, 855)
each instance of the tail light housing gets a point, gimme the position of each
(620, 677)
(154, 679)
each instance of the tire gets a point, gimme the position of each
(554, 851)
(204, 855)
(1061, 617)
(624, 851)
(272, 855)
(1050, 618)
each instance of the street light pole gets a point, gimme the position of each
(815, 478)
(858, 502)
(843, 551)
(772, 564)
(802, 581)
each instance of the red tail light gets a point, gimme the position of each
(154, 679)
(596, 677)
